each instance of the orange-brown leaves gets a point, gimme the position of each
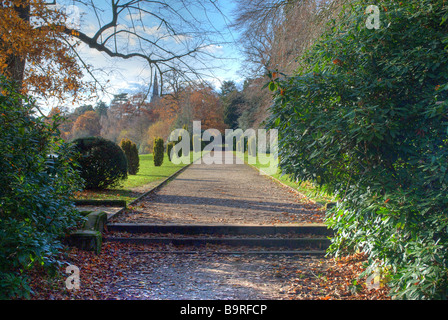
(207, 107)
(32, 33)
(88, 123)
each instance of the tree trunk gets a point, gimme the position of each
(15, 62)
(16, 69)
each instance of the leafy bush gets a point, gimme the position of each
(158, 152)
(36, 182)
(131, 152)
(103, 163)
(366, 117)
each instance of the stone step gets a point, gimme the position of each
(233, 252)
(100, 203)
(303, 229)
(289, 243)
(289, 239)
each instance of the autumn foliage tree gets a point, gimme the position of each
(208, 108)
(127, 117)
(203, 104)
(35, 51)
(39, 48)
(87, 124)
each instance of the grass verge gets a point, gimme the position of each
(148, 177)
(305, 187)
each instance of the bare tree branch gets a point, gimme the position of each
(168, 33)
(275, 32)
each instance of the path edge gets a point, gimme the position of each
(152, 190)
(263, 173)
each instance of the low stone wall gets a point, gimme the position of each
(90, 237)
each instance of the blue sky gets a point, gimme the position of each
(120, 75)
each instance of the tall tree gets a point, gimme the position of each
(233, 102)
(87, 124)
(275, 32)
(35, 51)
(206, 107)
(273, 35)
(101, 109)
(167, 35)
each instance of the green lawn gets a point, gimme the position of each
(306, 188)
(147, 177)
(149, 173)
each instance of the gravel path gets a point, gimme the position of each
(218, 194)
(223, 194)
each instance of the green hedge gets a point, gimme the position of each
(131, 152)
(170, 147)
(366, 118)
(158, 152)
(37, 181)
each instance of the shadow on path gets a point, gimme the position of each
(211, 202)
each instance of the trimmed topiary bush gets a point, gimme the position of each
(103, 163)
(170, 147)
(131, 152)
(158, 152)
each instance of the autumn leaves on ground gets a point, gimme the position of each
(313, 279)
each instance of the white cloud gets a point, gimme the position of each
(213, 48)
(135, 16)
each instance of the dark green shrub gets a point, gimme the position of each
(366, 118)
(158, 152)
(103, 163)
(131, 152)
(170, 147)
(37, 181)
(134, 160)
